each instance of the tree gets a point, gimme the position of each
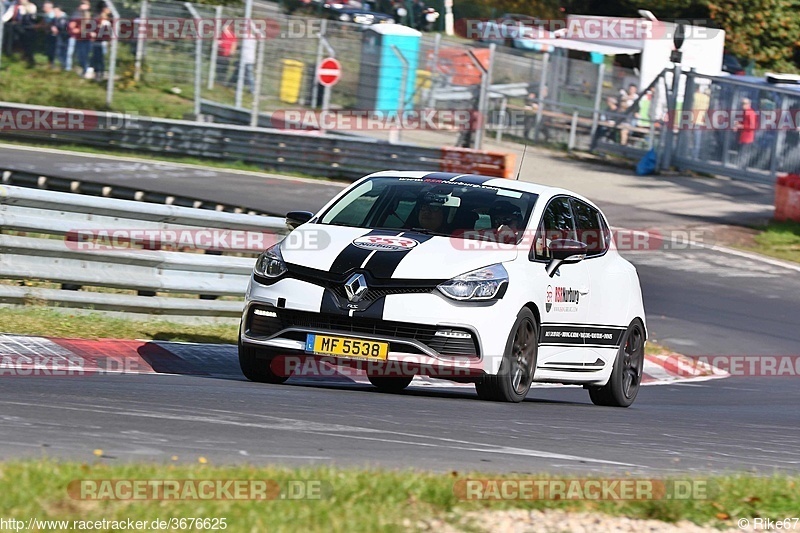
(767, 31)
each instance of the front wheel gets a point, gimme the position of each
(626, 377)
(256, 365)
(513, 381)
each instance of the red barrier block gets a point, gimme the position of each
(787, 198)
(469, 161)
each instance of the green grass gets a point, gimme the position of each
(351, 500)
(56, 322)
(42, 86)
(780, 240)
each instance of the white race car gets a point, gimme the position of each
(463, 277)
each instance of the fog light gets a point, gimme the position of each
(452, 334)
(262, 312)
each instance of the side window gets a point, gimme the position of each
(591, 230)
(557, 223)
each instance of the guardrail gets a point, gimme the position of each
(67, 248)
(307, 152)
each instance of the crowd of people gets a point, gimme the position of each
(67, 41)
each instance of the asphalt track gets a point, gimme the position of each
(700, 301)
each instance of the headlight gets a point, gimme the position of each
(270, 263)
(482, 284)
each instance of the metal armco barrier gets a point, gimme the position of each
(307, 152)
(72, 260)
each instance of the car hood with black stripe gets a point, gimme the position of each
(388, 253)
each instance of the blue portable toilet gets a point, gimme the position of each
(381, 71)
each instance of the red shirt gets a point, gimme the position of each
(748, 133)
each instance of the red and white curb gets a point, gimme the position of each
(42, 356)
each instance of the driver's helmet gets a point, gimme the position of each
(505, 213)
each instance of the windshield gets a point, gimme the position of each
(431, 206)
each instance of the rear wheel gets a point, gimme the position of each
(626, 377)
(387, 384)
(256, 365)
(513, 381)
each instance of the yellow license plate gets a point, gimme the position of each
(345, 347)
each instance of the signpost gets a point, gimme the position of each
(329, 71)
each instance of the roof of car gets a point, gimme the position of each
(492, 181)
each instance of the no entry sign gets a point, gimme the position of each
(329, 72)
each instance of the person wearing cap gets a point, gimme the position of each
(506, 220)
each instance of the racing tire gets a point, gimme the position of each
(513, 381)
(256, 365)
(626, 376)
(390, 385)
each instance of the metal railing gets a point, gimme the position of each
(57, 237)
(310, 152)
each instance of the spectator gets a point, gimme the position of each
(21, 17)
(99, 45)
(78, 45)
(607, 121)
(747, 133)
(700, 105)
(227, 47)
(46, 26)
(247, 56)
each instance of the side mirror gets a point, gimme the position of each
(296, 218)
(565, 251)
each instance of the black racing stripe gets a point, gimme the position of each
(351, 257)
(473, 180)
(383, 264)
(595, 336)
(330, 304)
(446, 176)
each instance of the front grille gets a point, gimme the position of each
(375, 294)
(265, 326)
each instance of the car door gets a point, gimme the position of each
(606, 321)
(566, 296)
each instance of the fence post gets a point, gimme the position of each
(112, 55)
(668, 134)
(598, 97)
(248, 14)
(437, 40)
(257, 89)
(2, 28)
(540, 99)
(780, 139)
(501, 126)
(573, 127)
(212, 66)
(483, 95)
(198, 62)
(320, 45)
(688, 105)
(394, 134)
(141, 29)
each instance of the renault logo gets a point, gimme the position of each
(355, 287)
